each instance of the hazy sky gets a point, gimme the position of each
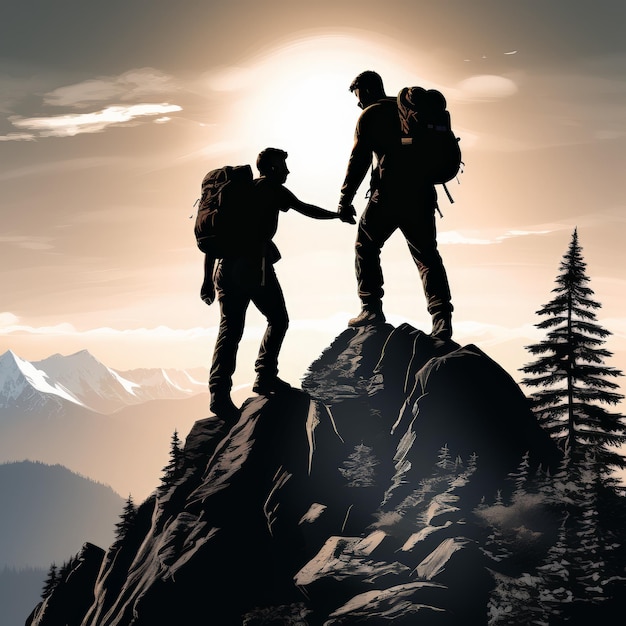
(111, 113)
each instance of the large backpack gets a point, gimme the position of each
(222, 208)
(428, 143)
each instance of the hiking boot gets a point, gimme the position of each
(368, 316)
(264, 385)
(222, 406)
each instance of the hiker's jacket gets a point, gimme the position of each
(261, 223)
(377, 133)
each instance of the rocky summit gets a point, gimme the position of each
(367, 497)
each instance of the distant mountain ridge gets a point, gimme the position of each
(56, 383)
(111, 425)
(49, 511)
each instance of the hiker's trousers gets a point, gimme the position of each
(239, 282)
(413, 213)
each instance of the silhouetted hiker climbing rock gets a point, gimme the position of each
(241, 268)
(401, 196)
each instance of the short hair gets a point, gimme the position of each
(368, 80)
(266, 156)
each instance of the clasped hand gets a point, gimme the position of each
(347, 213)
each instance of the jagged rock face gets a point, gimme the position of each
(333, 505)
(69, 601)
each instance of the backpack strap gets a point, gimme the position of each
(445, 187)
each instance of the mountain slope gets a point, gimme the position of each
(388, 490)
(19, 591)
(126, 450)
(48, 512)
(25, 388)
(111, 426)
(93, 384)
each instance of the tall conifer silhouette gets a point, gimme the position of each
(574, 384)
(126, 522)
(172, 471)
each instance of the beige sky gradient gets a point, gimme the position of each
(109, 120)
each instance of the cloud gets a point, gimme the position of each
(114, 94)
(18, 137)
(617, 326)
(8, 319)
(469, 331)
(487, 87)
(453, 237)
(136, 84)
(27, 242)
(10, 323)
(333, 325)
(70, 125)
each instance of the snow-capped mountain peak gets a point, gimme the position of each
(82, 379)
(94, 383)
(19, 377)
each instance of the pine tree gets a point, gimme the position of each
(472, 464)
(173, 470)
(444, 459)
(570, 372)
(459, 467)
(497, 546)
(359, 468)
(589, 551)
(520, 477)
(127, 521)
(575, 572)
(555, 589)
(51, 581)
(499, 500)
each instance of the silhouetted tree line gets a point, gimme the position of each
(579, 569)
(57, 575)
(128, 518)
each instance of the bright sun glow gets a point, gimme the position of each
(296, 97)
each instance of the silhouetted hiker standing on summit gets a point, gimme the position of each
(250, 277)
(398, 199)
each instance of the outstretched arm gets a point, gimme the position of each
(316, 212)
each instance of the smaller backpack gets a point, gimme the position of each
(223, 205)
(428, 142)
